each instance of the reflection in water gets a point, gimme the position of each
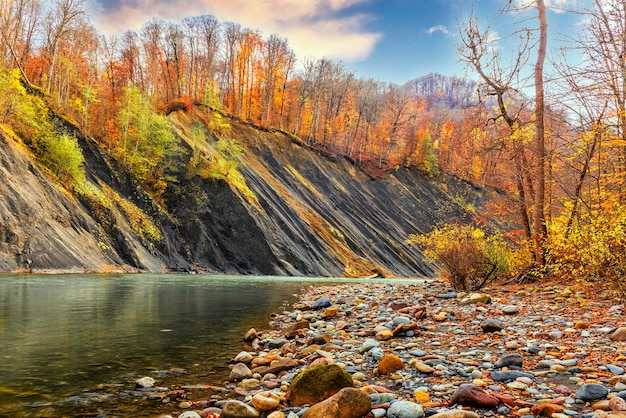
(60, 335)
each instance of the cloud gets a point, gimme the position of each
(314, 28)
(438, 28)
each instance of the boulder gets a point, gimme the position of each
(347, 403)
(317, 383)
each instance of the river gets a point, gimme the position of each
(71, 344)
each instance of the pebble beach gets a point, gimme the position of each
(422, 350)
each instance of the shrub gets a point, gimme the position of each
(594, 248)
(470, 259)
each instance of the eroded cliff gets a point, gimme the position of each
(294, 211)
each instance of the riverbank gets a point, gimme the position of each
(422, 350)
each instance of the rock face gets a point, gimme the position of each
(309, 215)
(318, 383)
(347, 403)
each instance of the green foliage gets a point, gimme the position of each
(64, 157)
(469, 257)
(147, 145)
(223, 162)
(594, 248)
(102, 203)
(28, 117)
(431, 162)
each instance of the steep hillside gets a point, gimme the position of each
(294, 211)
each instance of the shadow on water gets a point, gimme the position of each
(69, 340)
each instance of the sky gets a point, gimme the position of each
(390, 40)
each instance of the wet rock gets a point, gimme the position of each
(244, 357)
(322, 303)
(265, 401)
(296, 329)
(405, 409)
(472, 395)
(317, 383)
(506, 375)
(389, 363)
(145, 382)
(591, 392)
(250, 335)
(509, 360)
(238, 409)
(347, 403)
(239, 372)
(492, 325)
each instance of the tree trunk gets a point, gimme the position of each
(539, 222)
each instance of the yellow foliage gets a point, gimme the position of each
(469, 257)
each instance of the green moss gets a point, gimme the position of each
(318, 383)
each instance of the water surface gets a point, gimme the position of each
(63, 335)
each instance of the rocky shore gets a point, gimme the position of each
(415, 350)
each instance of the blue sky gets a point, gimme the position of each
(391, 40)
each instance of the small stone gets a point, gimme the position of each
(505, 375)
(368, 345)
(250, 335)
(458, 413)
(510, 310)
(265, 401)
(581, 325)
(619, 334)
(615, 369)
(347, 403)
(384, 335)
(421, 397)
(276, 414)
(330, 312)
(492, 325)
(472, 395)
(591, 392)
(546, 409)
(238, 409)
(244, 357)
(405, 409)
(190, 414)
(145, 382)
(617, 404)
(509, 360)
(389, 363)
(281, 365)
(422, 367)
(239, 372)
(322, 303)
(475, 298)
